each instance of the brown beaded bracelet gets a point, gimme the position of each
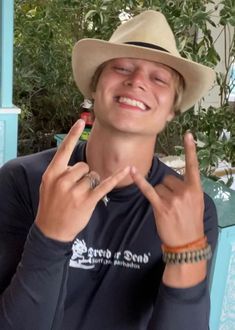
(187, 256)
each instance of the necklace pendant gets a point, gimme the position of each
(105, 199)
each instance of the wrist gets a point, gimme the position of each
(184, 275)
(192, 252)
(54, 233)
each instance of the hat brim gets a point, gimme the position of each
(89, 54)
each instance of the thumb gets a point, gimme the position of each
(148, 191)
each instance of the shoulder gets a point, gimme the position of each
(20, 178)
(36, 164)
(210, 220)
(27, 165)
(159, 170)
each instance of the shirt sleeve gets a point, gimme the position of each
(187, 308)
(38, 288)
(33, 268)
(16, 217)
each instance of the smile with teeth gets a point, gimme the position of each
(132, 102)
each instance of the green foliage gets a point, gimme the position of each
(45, 32)
(43, 85)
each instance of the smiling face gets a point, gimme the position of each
(134, 96)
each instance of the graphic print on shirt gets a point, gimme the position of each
(87, 258)
(78, 259)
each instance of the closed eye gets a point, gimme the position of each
(122, 69)
(160, 80)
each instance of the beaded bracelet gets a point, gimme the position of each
(188, 256)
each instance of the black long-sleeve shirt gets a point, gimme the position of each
(108, 278)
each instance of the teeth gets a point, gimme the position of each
(132, 102)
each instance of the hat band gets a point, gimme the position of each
(146, 45)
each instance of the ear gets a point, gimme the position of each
(93, 95)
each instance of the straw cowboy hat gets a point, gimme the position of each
(146, 36)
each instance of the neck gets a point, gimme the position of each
(109, 151)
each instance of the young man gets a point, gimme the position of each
(109, 212)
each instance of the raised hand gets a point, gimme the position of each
(178, 205)
(67, 199)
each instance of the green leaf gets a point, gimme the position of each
(202, 137)
(90, 13)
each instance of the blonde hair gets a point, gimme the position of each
(179, 90)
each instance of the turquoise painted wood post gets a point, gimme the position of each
(8, 112)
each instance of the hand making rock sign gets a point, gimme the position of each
(67, 198)
(178, 206)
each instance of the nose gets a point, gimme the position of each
(137, 79)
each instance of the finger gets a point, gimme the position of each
(89, 181)
(146, 188)
(63, 154)
(192, 174)
(108, 184)
(76, 172)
